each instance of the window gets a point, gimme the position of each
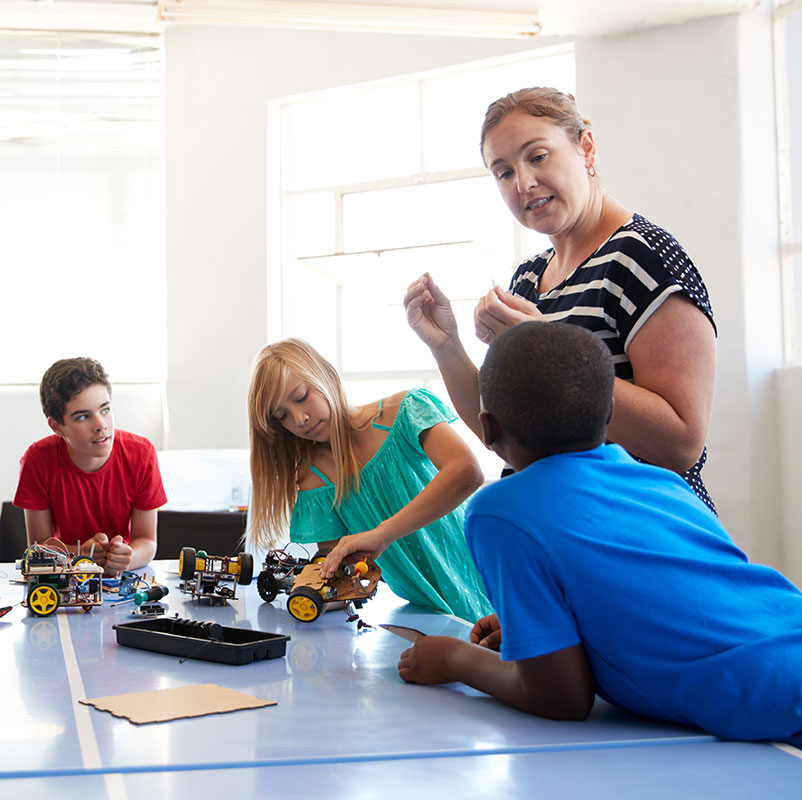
(788, 61)
(379, 183)
(81, 204)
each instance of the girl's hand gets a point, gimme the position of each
(487, 632)
(429, 313)
(499, 310)
(429, 660)
(369, 543)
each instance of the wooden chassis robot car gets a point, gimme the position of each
(56, 579)
(213, 577)
(308, 593)
(353, 584)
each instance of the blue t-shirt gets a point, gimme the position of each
(595, 547)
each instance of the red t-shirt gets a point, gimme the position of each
(86, 503)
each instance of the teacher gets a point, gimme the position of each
(608, 269)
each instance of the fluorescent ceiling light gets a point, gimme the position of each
(312, 15)
(76, 52)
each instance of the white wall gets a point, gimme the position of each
(685, 126)
(217, 86)
(684, 122)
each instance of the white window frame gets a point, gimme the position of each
(790, 246)
(276, 257)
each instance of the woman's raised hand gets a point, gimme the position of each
(429, 313)
(499, 310)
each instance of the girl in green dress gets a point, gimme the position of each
(387, 479)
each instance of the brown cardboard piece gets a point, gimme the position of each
(167, 704)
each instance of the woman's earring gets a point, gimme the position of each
(592, 171)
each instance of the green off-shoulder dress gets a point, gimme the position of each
(430, 567)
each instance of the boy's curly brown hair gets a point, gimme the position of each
(66, 378)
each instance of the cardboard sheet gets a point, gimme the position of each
(166, 704)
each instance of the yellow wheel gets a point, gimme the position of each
(186, 563)
(305, 604)
(244, 569)
(43, 600)
(83, 576)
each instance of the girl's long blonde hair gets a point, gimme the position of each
(276, 454)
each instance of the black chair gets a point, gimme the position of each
(13, 539)
(219, 533)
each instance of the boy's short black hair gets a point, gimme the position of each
(549, 386)
(66, 378)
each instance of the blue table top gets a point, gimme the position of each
(341, 707)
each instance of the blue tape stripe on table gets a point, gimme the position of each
(737, 771)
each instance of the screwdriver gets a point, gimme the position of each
(155, 592)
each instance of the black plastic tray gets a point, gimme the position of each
(208, 641)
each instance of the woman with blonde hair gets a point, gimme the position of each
(387, 479)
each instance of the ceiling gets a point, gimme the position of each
(493, 18)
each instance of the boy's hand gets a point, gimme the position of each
(429, 660)
(98, 553)
(487, 632)
(118, 555)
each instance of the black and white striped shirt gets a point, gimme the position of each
(615, 291)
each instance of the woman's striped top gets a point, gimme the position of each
(615, 291)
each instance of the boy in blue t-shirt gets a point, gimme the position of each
(608, 575)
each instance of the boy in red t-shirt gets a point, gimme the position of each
(87, 484)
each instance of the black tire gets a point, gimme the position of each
(267, 586)
(305, 604)
(186, 563)
(245, 569)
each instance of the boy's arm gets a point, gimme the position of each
(557, 685)
(38, 525)
(143, 536)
